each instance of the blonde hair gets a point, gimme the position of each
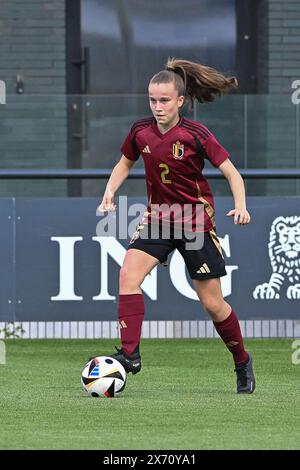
(195, 81)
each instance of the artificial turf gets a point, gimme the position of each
(184, 398)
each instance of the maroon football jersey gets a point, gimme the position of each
(173, 165)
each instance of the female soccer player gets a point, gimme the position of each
(173, 149)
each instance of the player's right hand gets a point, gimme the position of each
(107, 204)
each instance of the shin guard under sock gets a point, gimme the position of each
(130, 314)
(230, 332)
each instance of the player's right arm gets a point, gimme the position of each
(117, 177)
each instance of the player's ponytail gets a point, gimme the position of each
(195, 81)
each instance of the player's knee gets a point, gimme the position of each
(128, 279)
(212, 306)
(125, 276)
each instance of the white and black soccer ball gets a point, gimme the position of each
(103, 377)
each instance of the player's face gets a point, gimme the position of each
(165, 103)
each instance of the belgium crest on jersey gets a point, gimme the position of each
(178, 150)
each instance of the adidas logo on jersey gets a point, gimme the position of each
(146, 149)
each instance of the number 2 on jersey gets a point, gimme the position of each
(165, 172)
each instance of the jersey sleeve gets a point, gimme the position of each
(216, 154)
(129, 147)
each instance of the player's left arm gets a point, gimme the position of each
(236, 182)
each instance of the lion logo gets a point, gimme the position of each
(284, 252)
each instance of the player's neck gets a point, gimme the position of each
(165, 128)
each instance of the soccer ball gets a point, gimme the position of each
(103, 377)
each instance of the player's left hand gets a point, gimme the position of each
(241, 216)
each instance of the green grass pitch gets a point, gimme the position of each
(184, 398)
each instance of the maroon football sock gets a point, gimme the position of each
(131, 314)
(230, 332)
